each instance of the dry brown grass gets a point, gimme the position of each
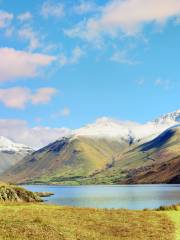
(39, 221)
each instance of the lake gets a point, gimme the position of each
(111, 196)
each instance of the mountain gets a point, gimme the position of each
(126, 130)
(156, 161)
(11, 153)
(66, 160)
(106, 151)
(164, 151)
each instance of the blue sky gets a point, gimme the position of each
(67, 63)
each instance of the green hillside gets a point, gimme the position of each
(65, 161)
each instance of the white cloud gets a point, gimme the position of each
(35, 137)
(54, 10)
(9, 31)
(31, 36)
(5, 18)
(140, 81)
(128, 17)
(21, 64)
(165, 84)
(43, 95)
(158, 82)
(26, 16)
(85, 7)
(65, 112)
(63, 60)
(50, 47)
(76, 55)
(19, 97)
(14, 97)
(123, 58)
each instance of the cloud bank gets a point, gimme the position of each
(35, 137)
(127, 17)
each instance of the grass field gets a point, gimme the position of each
(39, 221)
(175, 217)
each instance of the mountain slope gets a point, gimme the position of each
(167, 172)
(11, 153)
(66, 160)
(155, 161)
(165, 152)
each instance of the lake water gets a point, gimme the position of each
(108, 196)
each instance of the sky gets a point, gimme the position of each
(66, 63)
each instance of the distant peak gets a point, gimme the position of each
(110, 121)
(103, 120)
(105, 127)
(5, 140)
(8, 145)
(106, 121)
(169, 117)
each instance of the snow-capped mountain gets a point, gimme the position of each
(6, 145)
(169, 118)
(128, 131)
(94, 149)
(11, 153)
(106, 128)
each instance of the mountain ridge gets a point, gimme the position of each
(109, 128)
(103, 152)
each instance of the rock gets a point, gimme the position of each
(44, 194)
(12, 193)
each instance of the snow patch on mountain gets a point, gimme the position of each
(169, 118)
(126, 130)
(106, 128)
(6, 145)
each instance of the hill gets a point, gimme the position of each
(66, 160)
